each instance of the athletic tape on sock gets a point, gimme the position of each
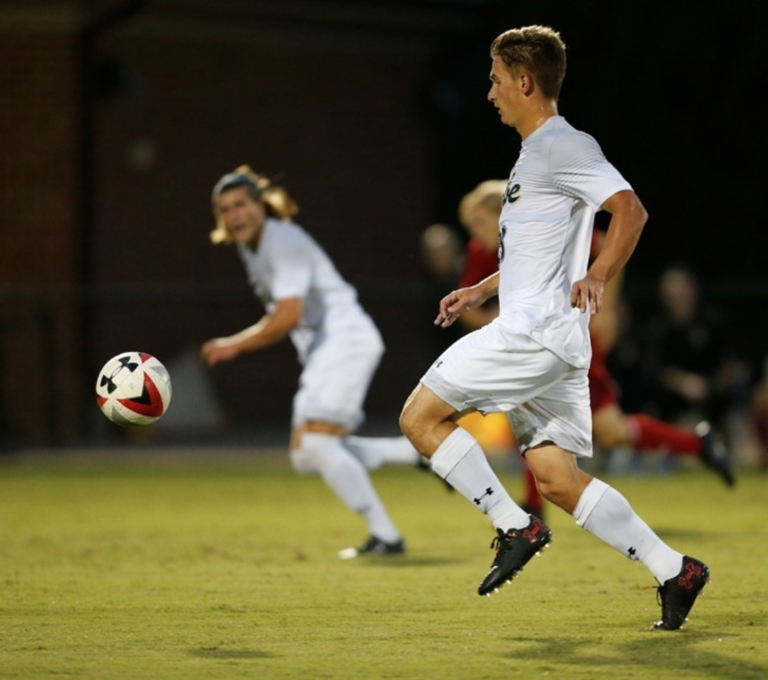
(451, 451)
(590, 497)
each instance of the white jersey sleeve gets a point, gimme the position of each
(291, 258)
(580, 170)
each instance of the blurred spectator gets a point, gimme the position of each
(442, 251)
(692, 357)
(759, 416)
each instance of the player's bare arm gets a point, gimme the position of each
(271, 329)
(453, 305)
(628, 217)
(604, 327)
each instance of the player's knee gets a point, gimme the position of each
(548, 489)
(314, 453)
(559, 491)
(406, 421)
(564, 490)
(412, 424)
(303, 462)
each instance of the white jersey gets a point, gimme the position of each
(558, 184)
(289, 263)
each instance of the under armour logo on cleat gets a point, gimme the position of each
(632, 552)
(686, 581)
(488, 492)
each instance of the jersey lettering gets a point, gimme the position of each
(502, 234)
(511, 194)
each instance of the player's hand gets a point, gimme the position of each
(217, 351)
(588, 294)
(453, 305)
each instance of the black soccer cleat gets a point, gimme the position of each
(373, 546)
(678, 594)
(713, 454)
(513, 551)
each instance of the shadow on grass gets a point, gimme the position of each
(684, 651)
(406, 561)
(678, 534)
(216, 653)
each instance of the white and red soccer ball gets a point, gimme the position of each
(133, 388)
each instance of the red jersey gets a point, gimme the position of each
(479, 263)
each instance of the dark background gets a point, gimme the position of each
(116, 119)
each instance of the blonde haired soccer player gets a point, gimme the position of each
(532, 361)
(338, 345)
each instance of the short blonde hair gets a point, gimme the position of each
(538, 49)
(489, 194)
(278, 202)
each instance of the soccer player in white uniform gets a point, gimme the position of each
(337, 342)
(532, 361)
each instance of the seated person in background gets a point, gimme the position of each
(759, 416)
(698, 373)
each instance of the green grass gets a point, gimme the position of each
(172, 569)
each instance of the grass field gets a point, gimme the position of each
(170, 568)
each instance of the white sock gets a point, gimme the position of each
(325, 455)
(461, 462)
(604, 512)
(373, 452)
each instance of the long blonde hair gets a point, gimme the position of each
(277, 200)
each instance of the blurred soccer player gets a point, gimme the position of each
(338, 345)
(532, 361)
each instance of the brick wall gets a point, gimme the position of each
(333, 106)
(39, 362)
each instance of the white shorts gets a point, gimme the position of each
(336, 376)
(492, 370)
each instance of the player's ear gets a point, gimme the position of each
(526, 83)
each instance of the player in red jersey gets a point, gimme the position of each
(479, 212)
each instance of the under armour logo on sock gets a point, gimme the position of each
(488, 492)
(632, 552)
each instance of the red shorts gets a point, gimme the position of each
(603, 390)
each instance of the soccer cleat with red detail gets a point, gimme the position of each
(677, 595)
(513, 551)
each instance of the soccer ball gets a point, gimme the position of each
(133, 388)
